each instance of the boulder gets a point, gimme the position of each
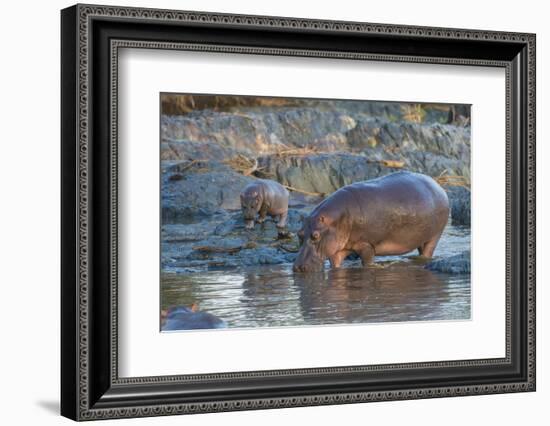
(320, 173)
(457, 264)
(460, 203)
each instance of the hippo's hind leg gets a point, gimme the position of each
(365, 252)
(282, 220)
(427, 250)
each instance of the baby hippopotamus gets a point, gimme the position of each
(184, 318)
(265, 197)
(390, 215)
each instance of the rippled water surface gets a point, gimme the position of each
(398, 289)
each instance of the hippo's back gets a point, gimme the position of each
(402, 189)
(273, 187)
(266, 186)
(399, 207)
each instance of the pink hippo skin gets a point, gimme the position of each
(264, 197)
(390, 215)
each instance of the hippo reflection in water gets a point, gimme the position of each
(184, 318)
(403, 291)
(390, 215)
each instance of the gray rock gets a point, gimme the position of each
(460, 203)
(195, 194)
(182, 149)
(428, 147)
(320, 173)
(425, 148)
(203, 133)
(262, 256)
(457, 264)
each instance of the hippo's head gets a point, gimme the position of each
(319, 240)
(251, 202)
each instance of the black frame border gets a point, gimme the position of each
(91, 35)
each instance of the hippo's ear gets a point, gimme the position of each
(322, 219)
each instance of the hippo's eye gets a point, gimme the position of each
(315, 235)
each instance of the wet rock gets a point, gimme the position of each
(234, 224)
(262, 256)
(228, 244)
(457, 264)
(223, 243)
(296, 218)
(460, 203)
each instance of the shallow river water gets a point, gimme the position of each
(398, 289)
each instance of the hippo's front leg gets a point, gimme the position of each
(263, 214)
(282, 220)
(365, 252)
(337, 259)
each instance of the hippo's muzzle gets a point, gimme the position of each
(308, 260)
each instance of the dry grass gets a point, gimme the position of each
(301, 191)
(396, 164)
(445, 179)
(244, 165)
(287, 152)
(413, 113)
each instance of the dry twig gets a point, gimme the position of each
(315, 194)
(452, 180)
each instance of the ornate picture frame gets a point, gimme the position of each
(91, 37)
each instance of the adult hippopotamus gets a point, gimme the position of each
(390, 215)
(265, 197)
